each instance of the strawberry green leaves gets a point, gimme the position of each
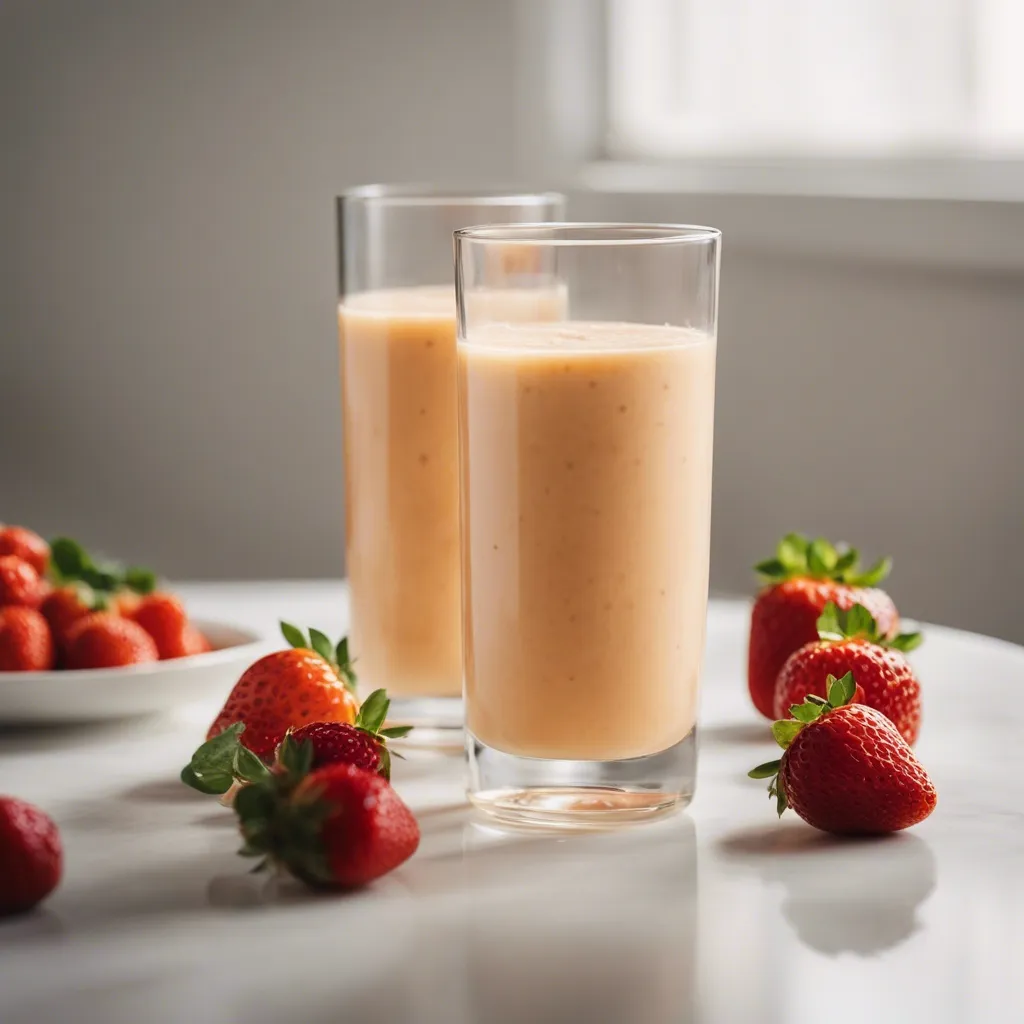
(345, 664)
(870, 577)
(335, 656)
(295, 758)
(373, 712)
(321, 645)
(858, 624)
(785, 731)
(834, 624)
(295, 636)
(770, 770)
(804, 713)
(371, 717)
(840, 692)
(775, 790)
(71, 563)
(396, 732)
(821, 557)
(765, 771)
(796, 556)
(906, 642)
(139, 579)
(221, 761)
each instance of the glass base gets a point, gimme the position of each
(539, 792)
(437, 721)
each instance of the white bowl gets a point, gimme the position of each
(103, 693)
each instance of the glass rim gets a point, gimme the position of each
(415, 194)
(588, 233)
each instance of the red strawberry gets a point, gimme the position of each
(804, 577)
(340, 743)
(850, 642)
(289, 689)
(362, 744)
(20, 584)
(26, 644)
(338, 826)
(65, 606)
(31, 858)
(845, 768)
(28, 546)
(125, 603)
(194, 642)
(164, 618)
(105, 640)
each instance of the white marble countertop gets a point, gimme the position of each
(722, 915)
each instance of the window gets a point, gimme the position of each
(815, 78)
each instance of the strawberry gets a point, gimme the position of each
(28, 546)
(340, 743)
(362, 744)
(20, 584)
(164, 618)
(31, 858)
(65, 606)
(125, 603)
(845, 767)
(288, 689)
(193, 642)
(339, 826)
(26, 644)
(803, 577)
(105, 640)
(850, 642)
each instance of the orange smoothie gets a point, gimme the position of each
(586, 491)
(400, 411)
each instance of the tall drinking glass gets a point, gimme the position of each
(586, 500)
(400, 410)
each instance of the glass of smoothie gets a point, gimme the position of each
(399, 401)
(585, 469)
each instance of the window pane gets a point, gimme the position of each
(807, 76)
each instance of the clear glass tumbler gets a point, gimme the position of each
(396, 321)
(585, 467)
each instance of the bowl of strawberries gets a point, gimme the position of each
(87, 639)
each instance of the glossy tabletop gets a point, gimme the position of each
(722, 914)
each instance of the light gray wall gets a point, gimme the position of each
(168, 367)
(881, 405)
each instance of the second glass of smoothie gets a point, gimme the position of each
(586, 449)
(400, 412)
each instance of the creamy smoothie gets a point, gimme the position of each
(400, 408)
(586, 490)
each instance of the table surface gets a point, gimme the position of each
(721, 914)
